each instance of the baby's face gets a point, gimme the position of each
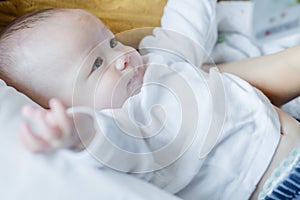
(76, 58)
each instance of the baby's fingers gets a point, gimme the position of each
(39, 126)
(39, 123)
(31, 141)
(29, 111)
(49, 132)
(61, 117)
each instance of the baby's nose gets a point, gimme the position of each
(123, 62)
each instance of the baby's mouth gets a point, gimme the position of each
(135, 83)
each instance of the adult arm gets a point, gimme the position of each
(276, 75)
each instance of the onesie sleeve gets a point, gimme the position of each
(188, 31)
(194, 19)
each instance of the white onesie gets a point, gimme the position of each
(195, 134)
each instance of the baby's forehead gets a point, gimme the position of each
(73, 21)
(77, 16)
(70, 32)
(66, 22)
(61, 34)
(67, 34)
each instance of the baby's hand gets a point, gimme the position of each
(48, 130)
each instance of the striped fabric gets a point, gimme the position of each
(289, 188)
(284, 183)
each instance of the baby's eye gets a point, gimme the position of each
(113, 43)
(98, 62)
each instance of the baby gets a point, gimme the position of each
(69, 54)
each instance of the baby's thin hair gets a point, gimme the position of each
(8, 38)
(25, 22)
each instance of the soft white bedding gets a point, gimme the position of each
(59, 176)
(235, 42)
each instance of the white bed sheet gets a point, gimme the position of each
(63, 175)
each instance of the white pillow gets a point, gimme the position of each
(29, 176)
(11, 102)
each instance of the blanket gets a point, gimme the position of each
(61, 175)
(235, 41)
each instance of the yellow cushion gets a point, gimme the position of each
(118, 15)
